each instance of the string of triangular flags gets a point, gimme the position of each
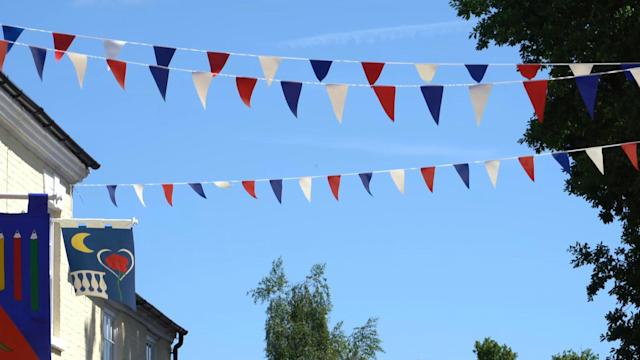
(536, 90)
(492, 167)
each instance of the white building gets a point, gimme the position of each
(37, 156)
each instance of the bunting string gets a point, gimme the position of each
(320, 83)
(296, 58)
(492, 166)
(587, 82)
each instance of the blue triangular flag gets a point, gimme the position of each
(39, 56)
(321, 68)
(477, 71)
(276, 186)
(11, 34)
(433, 96)
(463, 172)
(291, 91)
(366, 179)
(628, 73)
(563, 159)
(588, 87)
(112, 193)
(163, 55)
(197, 187)
(161, 76)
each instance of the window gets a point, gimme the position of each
(149, 349)
(108, 336)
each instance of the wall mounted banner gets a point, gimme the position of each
(102, 263)
(25, 314)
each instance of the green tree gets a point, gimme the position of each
(297, 325)
(572, 355)
(489, 349)
(584, 31)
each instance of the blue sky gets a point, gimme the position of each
(439, 270)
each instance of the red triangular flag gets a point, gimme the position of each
(529, 71)
(387, 96)
(429, 173)
(119, 70)
(3, 52)
(168, 193)
(217, 61)
(537, 91)
(250, 187)
(372, 70)
(61, 43)
(245, 88)
(334, 183)
(631, 150)
(527, 165)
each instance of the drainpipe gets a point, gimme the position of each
(177, 346)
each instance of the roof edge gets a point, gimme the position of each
(140, 301)
(40, 116)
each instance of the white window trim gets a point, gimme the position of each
(114, 334)
(151, 340)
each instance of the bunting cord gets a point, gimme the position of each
(444, 165)
(294, 58)
(318, 83)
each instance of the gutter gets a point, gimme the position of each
(177, 346)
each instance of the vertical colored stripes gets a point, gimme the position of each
(17, 267)
(2, 281)
(34, 286)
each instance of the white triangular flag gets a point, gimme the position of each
(222, 184)
(112, 48)
(595, 153)
(139, 189)
(202, 80)
(581, 69)
(305, 185)
(479, 96)
(337, 95)
(426, 71)
(636, 74)
(398, 178)
(492, 166)
(270, 66)
(80, 64)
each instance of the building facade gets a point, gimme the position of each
(37, 156)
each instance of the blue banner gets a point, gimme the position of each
(11, 34)
(102, 263)
(588, 88)
(366, 181)
(433, 96)
(320, 68)
(477, 71)
(291, 91)
(25, 313)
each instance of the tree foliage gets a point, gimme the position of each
(297, 325)
(489, 349)
(572, 355)
(585, 31)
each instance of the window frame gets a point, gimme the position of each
(108, 318)
(150, 348)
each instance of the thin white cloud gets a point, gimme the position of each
(372, 36)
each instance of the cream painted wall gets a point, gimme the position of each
(77, 320)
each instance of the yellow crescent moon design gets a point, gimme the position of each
(77, 241)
